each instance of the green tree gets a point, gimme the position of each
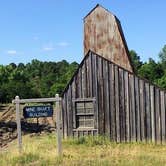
(162, 56)
(135, 59)
(151, 70)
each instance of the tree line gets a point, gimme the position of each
(34, 80)
(151, 70)
(44, 79)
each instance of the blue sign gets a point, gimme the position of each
(38, 111)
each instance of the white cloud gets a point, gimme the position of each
(51, 46)
(11, 52)
(63, 44)
(48, 48)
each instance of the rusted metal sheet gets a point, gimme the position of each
(103, 35)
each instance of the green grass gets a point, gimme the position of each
(95, 151)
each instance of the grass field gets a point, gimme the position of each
(41, 150)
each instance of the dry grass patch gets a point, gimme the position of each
(41, 150)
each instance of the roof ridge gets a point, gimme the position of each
(98, 5)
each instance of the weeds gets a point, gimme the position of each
(92, 151)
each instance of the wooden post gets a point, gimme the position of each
(18, 123)
(58, 121)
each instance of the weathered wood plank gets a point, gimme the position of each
(142, 108)
(95, 85)
(80, 83)
(137, 104)
(100, 95)
(106, 98)
(70, 112)
(162, 99)
(117, 103)
(90, 76)
(132, 110)
(122, 105)
(37, 100)
(152, 103)
(73, 86)
(157, 115)
(112, 101)
(84, 81)
(127, 106)
(63, 121)
(148, 116)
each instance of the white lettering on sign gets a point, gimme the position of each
(38, 111)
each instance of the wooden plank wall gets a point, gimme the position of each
(127, 109)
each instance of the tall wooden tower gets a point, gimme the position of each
(103, 35)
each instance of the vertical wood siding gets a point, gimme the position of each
(127, 108)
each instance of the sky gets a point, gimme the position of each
(52, 30)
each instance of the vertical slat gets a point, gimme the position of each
(63, 112)
(70, 112)
(117, 103)
(73, 103)
(77, 84)
(148, 116)
(162, 98)
(112, 102)
(84, 82)
(87, 76)
(132, 110)
(152, 102)
(157, 115)
(122, 105)
(127, 106)
(106, 98)
(137, 103)
(142, 109)
(90, 76)
(95, 91)
(80, 83)
(100, 92)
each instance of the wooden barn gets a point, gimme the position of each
(104, 96)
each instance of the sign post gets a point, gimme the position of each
(17, 99)
(36, 112)
(58, 124)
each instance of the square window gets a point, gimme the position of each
(84, 113)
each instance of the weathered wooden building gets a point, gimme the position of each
(105, 97)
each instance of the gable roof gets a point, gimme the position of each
(98, 5)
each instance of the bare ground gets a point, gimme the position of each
(8, 126)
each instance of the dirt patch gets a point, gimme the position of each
(8, 126)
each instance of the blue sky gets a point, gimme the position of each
(52, 30)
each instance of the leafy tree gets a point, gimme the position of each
(162, 56)
(135, 59)
(151, 70)
(35, 79)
